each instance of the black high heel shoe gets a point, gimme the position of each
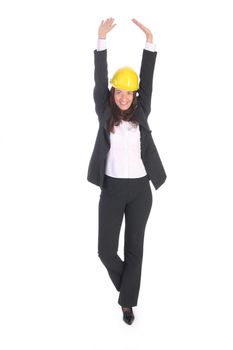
(128, 315)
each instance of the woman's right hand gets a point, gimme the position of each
(105, 27)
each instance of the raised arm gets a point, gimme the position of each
(147, 70)
(101, 72)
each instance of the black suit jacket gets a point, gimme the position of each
(149, 153)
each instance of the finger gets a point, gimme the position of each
(111, 21)
(142, 27)
(136, 22)
(111, 24)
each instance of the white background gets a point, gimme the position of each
(55, 293)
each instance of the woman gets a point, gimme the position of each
(123, 162)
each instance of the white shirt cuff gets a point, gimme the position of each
(150, 47)
(101, 44)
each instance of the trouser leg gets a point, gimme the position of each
(111, 211)
(136, 215)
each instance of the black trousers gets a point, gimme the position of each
(132, 198)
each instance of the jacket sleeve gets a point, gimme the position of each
(101, 91)
(146, 80)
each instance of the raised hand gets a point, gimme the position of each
(105, 27)
(149, 35)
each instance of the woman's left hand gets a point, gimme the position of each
(149, 35)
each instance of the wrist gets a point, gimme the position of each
(149, 39)
(101, 35)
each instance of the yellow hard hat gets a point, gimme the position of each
(125, 78)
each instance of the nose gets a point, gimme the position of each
(124, 97)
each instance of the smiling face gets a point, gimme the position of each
(123, 99)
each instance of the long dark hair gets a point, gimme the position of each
(118, 114)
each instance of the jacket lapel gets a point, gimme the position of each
(139, 116)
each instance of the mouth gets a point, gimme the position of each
(124, 104)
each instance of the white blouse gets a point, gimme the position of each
(124, 157)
